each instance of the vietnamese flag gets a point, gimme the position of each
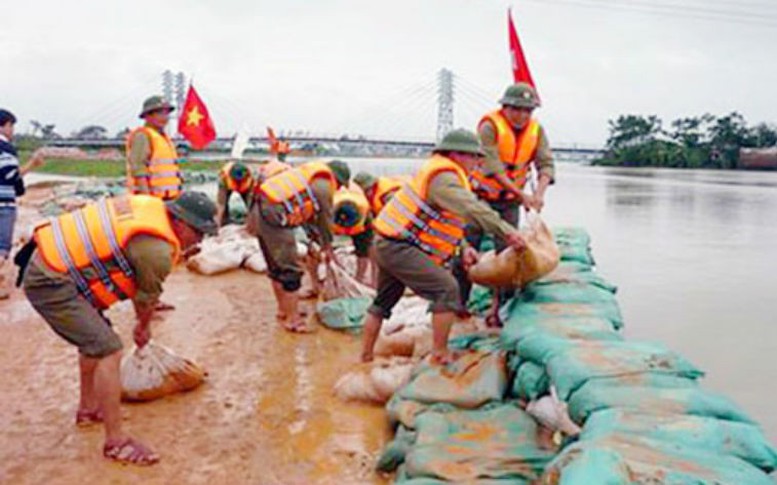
(195, 124)
(521, 73)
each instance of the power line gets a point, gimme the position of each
(674, 10)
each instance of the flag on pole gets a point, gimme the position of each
(195, 123)
(520, 67)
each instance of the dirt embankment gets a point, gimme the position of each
(266, 415)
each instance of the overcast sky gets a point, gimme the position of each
(333, 66)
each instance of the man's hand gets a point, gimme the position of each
(469, 257)
(529, 201)
(515, 240)
(141, 335)
(535, 202)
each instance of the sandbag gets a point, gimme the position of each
(583, 328)
(570, 272)
(530, 382)
(471, 381)
(474, 446)
(339, 283)
(743, 440)
(684, 398)
(343, 313)
(572, 368)
(228, 250)
(511, 268)
(520, 310)
(375, 382)
(574, 245)
(621, 459)
(410, 341)
(154, 371)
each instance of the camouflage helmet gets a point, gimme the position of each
(155, 103)
(460, 140)
(365, 180)
(196, 210)
(521, 95)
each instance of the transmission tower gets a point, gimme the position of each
(444, 103)
(167, 85)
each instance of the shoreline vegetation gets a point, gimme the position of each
(706, 141)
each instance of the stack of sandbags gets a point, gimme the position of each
(512, 268)
(232, 248)
(154, 371)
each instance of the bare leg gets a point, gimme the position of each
(441, 329)
(107, 390)
(278, 292)
(87, 367)
(372, 324)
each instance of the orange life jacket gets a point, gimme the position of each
(271, 168)
(89, 244)
(354, 196)
(242, 187)
(164, 175)
(293, 189)
(384, 190)
(409, 217)
(515, 152)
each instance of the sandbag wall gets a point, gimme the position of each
(644, 416)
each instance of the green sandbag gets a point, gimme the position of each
(583, 328)
(587, 360)
(471, 381)
(343, 313)
(498, 443)
(742, 440)
(521, 310)
(574, 245)
(576, 236)
(566, 293)
(598, 394)
(621, 459)
(482, 341)
(394, 452)
(530, 382)
(479, 300)
(575, 274)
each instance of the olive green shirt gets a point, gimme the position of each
(543, 161)
(447, 192)
(322, 191)
(151, 259)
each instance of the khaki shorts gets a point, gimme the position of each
(401, 265)
(56, 298)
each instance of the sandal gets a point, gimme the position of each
(86, 417)
(130, 452)
(297, 327)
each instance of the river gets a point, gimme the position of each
(691, 254)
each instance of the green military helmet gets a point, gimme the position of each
(155, 103)
(365, 180)
(460, 140)
(238, 172)
(341, 171)
(521, 95)
(196, 210)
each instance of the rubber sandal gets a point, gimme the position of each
(130, 452)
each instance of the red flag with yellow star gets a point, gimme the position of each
(195, 124)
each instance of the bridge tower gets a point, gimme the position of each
(444, 103)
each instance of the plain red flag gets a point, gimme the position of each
(521, 71)
(195, 123)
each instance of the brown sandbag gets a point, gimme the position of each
(513, 269)
(155, 371)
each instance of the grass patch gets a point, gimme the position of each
(110, 168)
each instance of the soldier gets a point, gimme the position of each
(353, 218)
(299, 196)
(152, 160)
(233, 177)
(513, 141)
(378, 190)
(82, 262)
(421, 229)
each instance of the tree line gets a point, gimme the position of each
(705, 141)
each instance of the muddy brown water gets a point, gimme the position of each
(691, 253)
